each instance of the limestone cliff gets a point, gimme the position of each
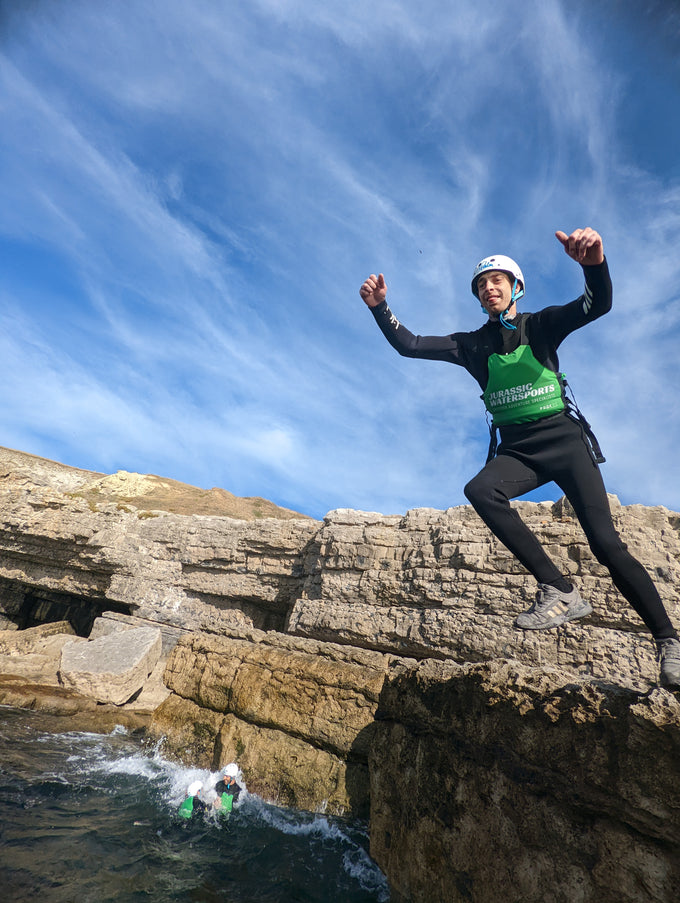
(498, 782)
(364, 664)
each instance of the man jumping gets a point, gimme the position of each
(543, 436)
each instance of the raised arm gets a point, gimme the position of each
(438, 348)
(586, 248)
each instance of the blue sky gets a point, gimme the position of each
(191, 194)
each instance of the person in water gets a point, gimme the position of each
(193, 803)
(227, 789)
(543, 436)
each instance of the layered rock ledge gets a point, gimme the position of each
(363, 664)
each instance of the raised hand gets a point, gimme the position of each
(583, 245)
(374, 290)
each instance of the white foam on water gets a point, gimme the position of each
(290, 821)
(112, 754)
(356, 860)
(359, 865)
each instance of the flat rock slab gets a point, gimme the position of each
(112, 668)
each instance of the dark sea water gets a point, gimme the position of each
(90, 818)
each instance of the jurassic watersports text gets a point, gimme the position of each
(518, 394)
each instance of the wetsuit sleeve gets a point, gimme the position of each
(595, 301)
(597, 297)
(435, 348)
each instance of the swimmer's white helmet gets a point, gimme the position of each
(231, 770)
(502, 263)
(194, 788)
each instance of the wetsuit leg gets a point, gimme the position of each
(489, 493)
(556, 450)
(581, 482)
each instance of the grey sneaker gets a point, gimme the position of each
(668, 655)
(553, 608)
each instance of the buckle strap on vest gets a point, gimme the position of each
(493, 438)
(575, 414)
(573, 411)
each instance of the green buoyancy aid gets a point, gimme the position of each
(187, 808)
(520, 389)
(227, 801)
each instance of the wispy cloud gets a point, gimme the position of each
(190, 197)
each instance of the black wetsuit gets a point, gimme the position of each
(192, 806)
(231, 789)
(553, 448)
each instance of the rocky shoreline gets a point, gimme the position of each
(364, 664)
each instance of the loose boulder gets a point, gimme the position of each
(113, 668)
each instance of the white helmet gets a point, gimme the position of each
(502, 263)
(194, 788)
(231, 770)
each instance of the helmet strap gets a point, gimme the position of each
(504, 322)
(516, 294)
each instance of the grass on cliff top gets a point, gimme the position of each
(145, 493)
(162, 494)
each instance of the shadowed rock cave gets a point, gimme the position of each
(35, 608)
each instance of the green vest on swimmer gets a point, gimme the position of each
(186, 810)
(520, 389)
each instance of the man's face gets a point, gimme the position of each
(495, 292)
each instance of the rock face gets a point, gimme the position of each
(35, 654)
(70, 541)
(494, 782)
(365, 664)
(308, 707)
(437, 583)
